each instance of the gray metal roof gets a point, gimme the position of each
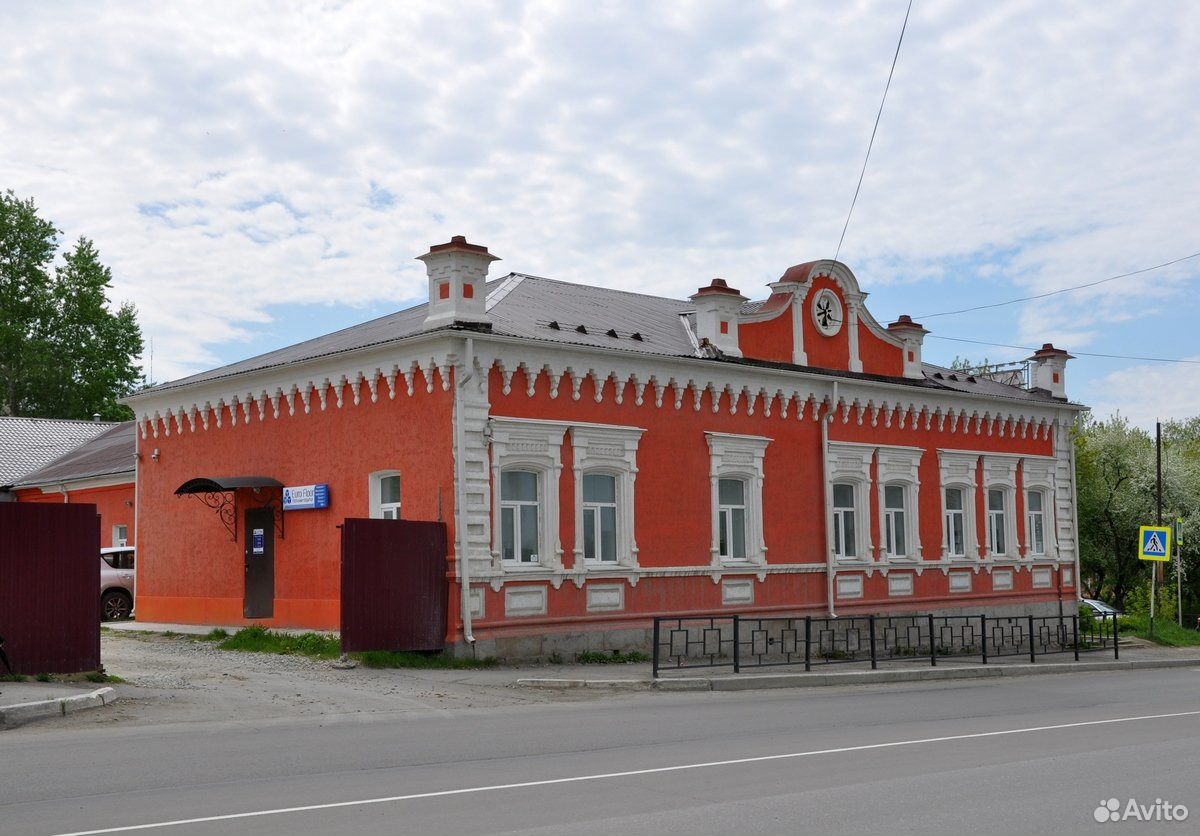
(27, 444)
(548, 310)
(108, 454)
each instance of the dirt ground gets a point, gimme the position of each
(180, 679)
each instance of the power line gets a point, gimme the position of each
(1061, 290)
(871, 143)
(1079, 353)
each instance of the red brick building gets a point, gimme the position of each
(602, 456)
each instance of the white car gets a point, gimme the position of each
(116, 583)
(1100, 609)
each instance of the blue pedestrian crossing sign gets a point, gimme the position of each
(1154, 542)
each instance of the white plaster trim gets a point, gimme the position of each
(738, 456)
(1002, 580)
(1042, 577)
(851, 464)
(611, 450)
(609, 597)
(1000, 473)
(960, 581)
(520, 444)
(849, 586)
(522, 601)
(737, 593)
(960, 470)
(900, 584)
(900, 466)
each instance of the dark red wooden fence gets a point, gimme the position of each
(393, 585)
(50, 587)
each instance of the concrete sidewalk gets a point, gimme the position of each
(638, 677)
(24, 702)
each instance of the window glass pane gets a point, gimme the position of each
(608, 533)
(893, 496)
(848, 524)
(390, 514)
(995, 500)
(843, 496)
(1034, 500)
(529, 533)
(599, 488)
(589, 534)
(837, 534)
(998, 534)
(957, 543)
(519, 486)
(738, 524)
(732, 492)
(898, 525)
(1039, 539)
(954, 499)
(507, 534)
(723, 545)
(389, 490)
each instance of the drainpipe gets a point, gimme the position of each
(825, 489)
(460, 523)
(1074, 518)
(62, 489)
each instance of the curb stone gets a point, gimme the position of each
(27, 712)
(752, 682)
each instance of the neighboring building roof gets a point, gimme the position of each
(27, 444)
(564, 313)
(108, 454)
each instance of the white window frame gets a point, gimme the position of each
(1037, 476)
(738, 457)
(516, 506)
(1031, 519)
(997, 522)
(725, 517)
(960, 470)
(122, 540)
(900, 467)
(536, 446)
(607, 450)
(947, 528)
(839, 514)
(377, 505)
(1000, 474)
(850, 464)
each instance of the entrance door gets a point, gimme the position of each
(260, 563)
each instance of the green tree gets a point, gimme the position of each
(63, 352)
(1115, 478)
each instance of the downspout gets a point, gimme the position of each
(1074, 515)
(825, 489)
(62, 489)
(460, 523)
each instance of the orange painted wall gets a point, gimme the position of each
(113, 503)
(189, 570)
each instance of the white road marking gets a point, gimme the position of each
(606, 775)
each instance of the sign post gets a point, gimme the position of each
(1179, 568)
(1154, 544)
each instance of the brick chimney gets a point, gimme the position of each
(912, 337)
(457, 272)
(717, 316)
(1049, 370)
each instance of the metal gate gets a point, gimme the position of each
(50, 587)
(393, 585)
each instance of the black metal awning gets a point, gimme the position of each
(204, 484)
(221, 496)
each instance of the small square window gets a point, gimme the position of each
(443, 290)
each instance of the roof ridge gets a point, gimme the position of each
(603, 288)
(89, 422)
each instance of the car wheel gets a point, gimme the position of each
(115, 605)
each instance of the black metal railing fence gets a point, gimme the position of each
(740, 642)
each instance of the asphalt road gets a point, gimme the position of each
(1026, 755)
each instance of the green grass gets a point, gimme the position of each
(389, 659)
(1166, 631)
(215, 635)
(102, 677)
(318, 646)
(259, 640)
(14, 677)
(591, 657)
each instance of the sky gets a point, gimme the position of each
(261, 173)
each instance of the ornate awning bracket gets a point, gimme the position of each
(225, 504)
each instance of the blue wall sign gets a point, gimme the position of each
(305, 497)
(258, 541)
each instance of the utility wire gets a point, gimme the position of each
(1079, 353)
(1061, 290)
(871, 143)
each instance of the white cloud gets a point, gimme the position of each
(1149, 392)
(227, 158)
